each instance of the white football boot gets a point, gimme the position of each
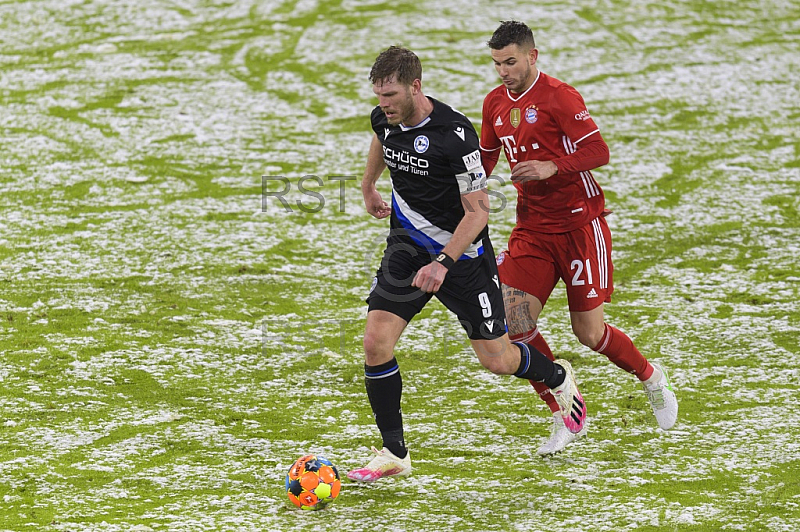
(662, 397)
(384, 464)
(569, 399)
(560, 437)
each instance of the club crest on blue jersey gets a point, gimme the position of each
(421, 144)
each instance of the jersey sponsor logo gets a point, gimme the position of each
(531, 114)
(421, 144)
(477, 181)
(460, 132)
(472, 160)
(471, 181)
(386, 132)
(583, 115)
(476, 176)
(512, 149)
(510, 144)
(591, 294)
(404, 161)
(514, 116)
(498, 122)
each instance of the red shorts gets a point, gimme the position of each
(534, 262)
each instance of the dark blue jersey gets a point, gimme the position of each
(431, 165)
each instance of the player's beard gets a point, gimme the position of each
(404, 111)
(523, 83)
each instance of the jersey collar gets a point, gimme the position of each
(409, 128)
(538, 74)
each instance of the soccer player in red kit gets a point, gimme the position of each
(552, 143)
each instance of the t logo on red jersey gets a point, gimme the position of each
(510, 145)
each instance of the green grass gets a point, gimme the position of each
(170, 342)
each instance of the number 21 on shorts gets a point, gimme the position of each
(578, 267)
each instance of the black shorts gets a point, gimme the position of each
(470, 290)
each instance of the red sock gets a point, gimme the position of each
(620, 350)
(535, 339)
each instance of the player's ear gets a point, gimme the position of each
(533, 55)
(416, 86)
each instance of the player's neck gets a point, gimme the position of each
(423, 108)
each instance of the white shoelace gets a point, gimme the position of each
(656, 396)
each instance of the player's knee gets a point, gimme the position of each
(495, 364)
(588, 336)
(376, 349)
(497, 359)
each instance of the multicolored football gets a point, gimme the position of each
(312, 482)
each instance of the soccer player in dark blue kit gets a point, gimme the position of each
(438, 245)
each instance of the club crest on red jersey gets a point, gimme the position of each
(531, 114)
(514, 116)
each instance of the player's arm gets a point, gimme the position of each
(375, 166)
(490, 145)
(572, 116)
(476, 216)
(591, 151)
(430, 277)
(490, 158)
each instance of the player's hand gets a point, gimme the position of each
(375, 204)
(430, 277)
(533, 171)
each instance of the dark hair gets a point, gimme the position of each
(511, 32)
(396, 61)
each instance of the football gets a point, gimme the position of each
(312, 482)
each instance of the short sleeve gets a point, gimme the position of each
(375, 119)
(465, 157)
(572, 115)
(489, 140)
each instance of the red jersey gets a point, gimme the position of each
(548, 122)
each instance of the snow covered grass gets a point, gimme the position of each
(172, 339)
